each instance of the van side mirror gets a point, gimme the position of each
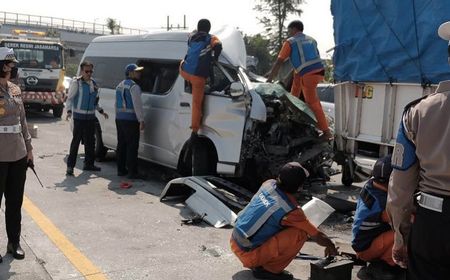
(236, 89)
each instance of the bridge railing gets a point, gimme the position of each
(62, 24)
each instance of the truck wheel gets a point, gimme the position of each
(347, 173)
(100, 149)
(57, 111)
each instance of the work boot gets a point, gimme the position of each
(69, 171)
(260, 273)
(326, 136)
(91, 168)
(378, 270)
(15, 250)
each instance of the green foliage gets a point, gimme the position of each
(71, 70)
(113, 26)
(258, 47)
(275, 13)
(329, 70)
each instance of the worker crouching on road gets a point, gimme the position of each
(272, 228)
(196, 66)
(373, 236)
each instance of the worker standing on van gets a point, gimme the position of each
(272, 228)
(309, 71)
(129, 122)
(82, 100)
(421, 162)
(16, 151)
(195, 68)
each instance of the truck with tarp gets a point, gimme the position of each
(41, 69)
(386, 54)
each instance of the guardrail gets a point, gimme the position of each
(62, 24)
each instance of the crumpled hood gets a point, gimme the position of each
(234, 52)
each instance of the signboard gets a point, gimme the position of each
(27, 45)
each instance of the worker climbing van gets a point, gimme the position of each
(247, 128)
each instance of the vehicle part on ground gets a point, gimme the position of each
(288, 134)
(212, 198)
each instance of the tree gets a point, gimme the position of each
(275, 14)
(258, 47)
(113, 26)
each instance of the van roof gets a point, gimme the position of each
(233, 52)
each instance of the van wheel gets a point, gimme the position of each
(58, 111)
(200, 161)
(100, 149)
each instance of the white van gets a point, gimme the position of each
(245, 129)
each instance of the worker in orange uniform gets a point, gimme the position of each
(308, 71)
(373, 236)
(195, 68)
(272, 228)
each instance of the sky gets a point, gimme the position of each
(151, 14)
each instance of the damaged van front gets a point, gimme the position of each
(246, 128)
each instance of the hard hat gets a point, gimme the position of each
(7, 54)
(444, 31)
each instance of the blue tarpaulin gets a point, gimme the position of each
(390, 40)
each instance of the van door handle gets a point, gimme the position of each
(184, 104)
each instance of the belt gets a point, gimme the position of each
(430, 202)
(11, 129)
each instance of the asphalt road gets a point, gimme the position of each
(87, 227)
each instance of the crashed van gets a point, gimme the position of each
(249, 129)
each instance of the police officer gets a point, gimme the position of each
(272, 228)
(196, 66)
(129, 122)
(421, 162)
(309, 71)
(82, 101)
(16, 150)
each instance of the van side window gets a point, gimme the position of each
(109, 71)
(218, 81)
(158, 76)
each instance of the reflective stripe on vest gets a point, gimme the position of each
(368, 223)
(198, 57)
(261, 218)
(124, 101)
(85, 102)
(303, 52)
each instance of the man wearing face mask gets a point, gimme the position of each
(129, 122)
(421, 163)
(16, 152)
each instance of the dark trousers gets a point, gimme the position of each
(82, 129)
(429, 245)
(12, 184)
(127, 146)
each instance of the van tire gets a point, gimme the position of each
(58, 111)
(200, 161)
(100, 149)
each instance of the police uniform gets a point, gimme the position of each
(129, 115)
(421, 162)
(16, 144)
(82, 101)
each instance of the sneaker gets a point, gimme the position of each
(260, 273)
(69, 171)
(327, 136)
(91, 168)
(381, 271)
